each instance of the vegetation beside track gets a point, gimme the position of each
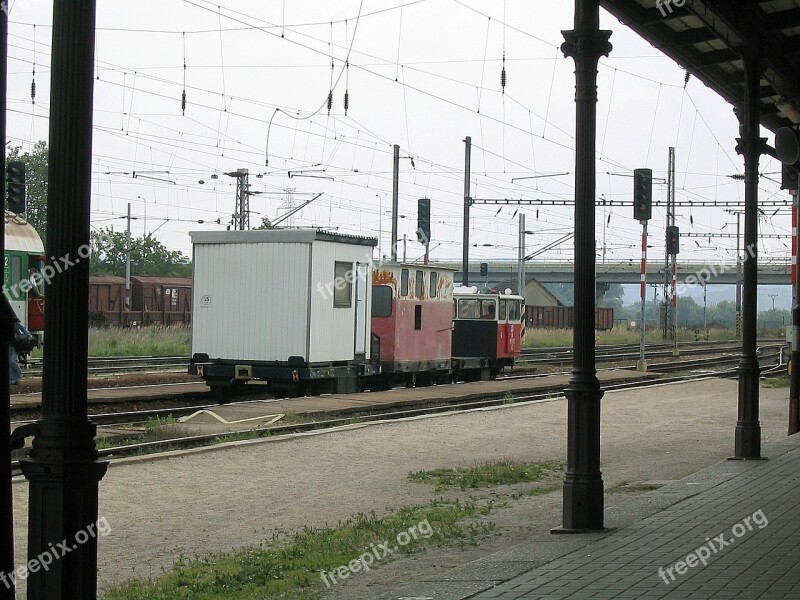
(547, 338)
(153, 340)
(294, 566)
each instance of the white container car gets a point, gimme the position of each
(289, 307)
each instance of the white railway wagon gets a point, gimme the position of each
(289, 307)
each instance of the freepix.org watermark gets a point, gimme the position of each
(711, 271)
(342, 281)
(377, 552)
(713, 546)
(665, 6)
(55, 552)
(48, 272)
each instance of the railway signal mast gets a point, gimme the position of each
(642, 211)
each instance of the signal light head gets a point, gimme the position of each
(642, 194)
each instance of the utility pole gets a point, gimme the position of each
(128, 261)
(521, 259)
(467, 202)
(241, 217)
(405, 237)
(773, 296)
(395, 198)
(667, 295)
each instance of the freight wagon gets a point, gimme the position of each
(563, 317)
(154, 301)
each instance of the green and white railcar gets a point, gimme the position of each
(24, 257)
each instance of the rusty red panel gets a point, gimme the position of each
(509, 340)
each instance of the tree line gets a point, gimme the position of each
(149, 257)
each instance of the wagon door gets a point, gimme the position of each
(362, 315)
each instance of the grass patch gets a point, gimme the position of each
(776, 382)
(154, 340)
(501, 472)
(292, 569)
(548, 338)
(146, 341)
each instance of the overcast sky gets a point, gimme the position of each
(423, 74)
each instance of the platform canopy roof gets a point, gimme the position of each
(707, 37)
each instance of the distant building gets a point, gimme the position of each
(536, 294)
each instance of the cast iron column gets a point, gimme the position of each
(750, 146)
(7, 319)
(63, 469)
(583, 483)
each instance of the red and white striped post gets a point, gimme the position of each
(642, 364)
(675, 351)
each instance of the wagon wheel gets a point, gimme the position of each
(411, 380)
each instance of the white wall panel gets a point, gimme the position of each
(250, 300)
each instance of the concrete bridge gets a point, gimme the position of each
(624, 272)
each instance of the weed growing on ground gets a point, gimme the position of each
(290, 569)
(501, 472)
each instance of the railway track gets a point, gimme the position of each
(624, 352)
(698, 368)
(120, 365)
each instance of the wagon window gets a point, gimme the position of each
(433, 290)
(404, 282)
(419, 284)
(468, 308)
(503, 310)
(342, 284)
(418, 317)
(381, 301)
(16, 272)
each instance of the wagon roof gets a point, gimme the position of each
(303, 235)
(98, 279)
(172, 281)
(21, 235)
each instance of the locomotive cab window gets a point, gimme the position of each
(469, 308)
(418, 284)
(343, 285)
(514, 310)
(432, 291)
(381, 301)
(404, 282)
(488, 309)
(503, 310)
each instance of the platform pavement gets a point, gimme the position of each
(759, 561)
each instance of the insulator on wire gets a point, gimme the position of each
(503, 74)
(183, 102)
(33, 92)
(330, 102)
(346, 102)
